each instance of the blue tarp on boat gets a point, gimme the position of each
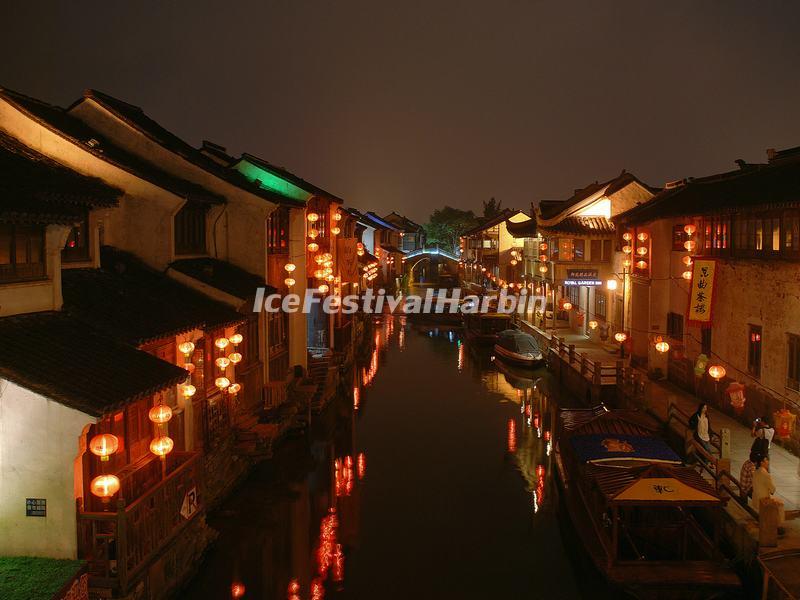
(598, 447)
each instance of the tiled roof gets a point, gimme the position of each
(389, 248)
(222, 275)
(57, 119)
(581, 226)
(289, 176)
(406, 224)
(136, 304)
(62, 358)
(503, 215)
(138, 119)
(523, 229)
(37, 189)
(549, 209)
(754, 186)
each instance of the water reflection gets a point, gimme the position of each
(458, 503)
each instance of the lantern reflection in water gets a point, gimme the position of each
(512, 436)
(237, 590)
(361, 465)
(356, 397)
(317, 589)
(327, 542)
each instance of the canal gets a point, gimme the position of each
(429, 477)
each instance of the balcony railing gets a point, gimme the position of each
(120, 543)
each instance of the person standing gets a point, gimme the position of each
(702, 427)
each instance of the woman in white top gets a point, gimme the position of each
(702, 428)
(763, 486)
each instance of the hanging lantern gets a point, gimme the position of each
(662, 347)
(736, 393)
(687, 275)
(567, 306)
(289, 282)
(483, 269)
(543, 246)
(543, 257)
(641, 251)
(611, 284)
(543, 269)
(222, 383)
(160, 414)
(104, 445)
(642, 237)
(717, 372)
(186, 348)
(235, 388)
(221, 343)
(235, 358)
(689, 245)
(689, 229)
(360, 252)
(337, 216)
(319, 259)
(620, 336)
(162, 445)
(313, 247)
(189, 367)
(237, 590)
(626, 263)
(513, 262)
(627, 236)
(222, 362)
(784, 423)
(323, 288)
(329, 277)
(359, 245)
(319, 274)
(236, 339)
(188, 391)
(104, 486)
(687, 260)
(335, 230)
(313, 234)
(627, 249)
(641, 264)
(290, 267)
(593, 324)
(312, 217)
(700, 365)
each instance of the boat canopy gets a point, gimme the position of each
(653, 484)
(518, 341)
(603, 447)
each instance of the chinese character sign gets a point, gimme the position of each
(701, 294)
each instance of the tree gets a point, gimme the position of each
(447, 224)
(492, 208)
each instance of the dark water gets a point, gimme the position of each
(438, 483)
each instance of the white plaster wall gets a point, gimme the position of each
(39, 443)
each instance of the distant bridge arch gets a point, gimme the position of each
(429, 264)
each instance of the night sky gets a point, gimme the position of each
(413, 105)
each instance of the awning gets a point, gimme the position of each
(603, 447)
(663, 489)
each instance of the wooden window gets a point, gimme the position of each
(278, 231)
(552, 244)
(606, 250)
(600, 304)
(277, 331)
(754, 350)
(705, 341)
(21, 252)
(77, 247)
(190, 230)
(791, 233)
(675, 325)
(595, 250)
(566, 250)
(793, 376)
(713, 237)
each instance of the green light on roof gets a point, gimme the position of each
(272, 182)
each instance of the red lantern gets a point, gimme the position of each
(160, 414)
(784, 423)
(104, 486)
(736, 392)
(104, 445)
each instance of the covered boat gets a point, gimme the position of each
(649, 523)
(518, 348)
(483, 328)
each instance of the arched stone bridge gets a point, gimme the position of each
(430, 265)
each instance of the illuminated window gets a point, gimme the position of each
(754, 351)
(77, 247)
(278, 231)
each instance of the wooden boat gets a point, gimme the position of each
(518, 348)
(483, 328)
(643, 516)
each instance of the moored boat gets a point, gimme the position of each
(649, 523)
(518, 348)
(483, 328)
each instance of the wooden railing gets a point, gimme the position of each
(595, 371)
(120, 543)
(719, 469)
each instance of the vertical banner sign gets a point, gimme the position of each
(701, 294)
(347, 259)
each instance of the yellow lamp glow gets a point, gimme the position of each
(627, 249)
(104, 486)
(160, 414)
(186, 348)
(687, 275)
(543, 246)
(313, 247)
(222, 383)
(222, 362)
(337, 216)
(687, 260)
(335, 230)
(593, 324)
(312, 217)
(513, 261)
(611, 284)
(313, 234)
(221, 343)
(162, 445)
(642, 237)
(235, 388)
(641, 264)
(188, 391)
(627, 237)
(236, 339)
(319, 274)
(717, 372)
(689, 229)
(235, 358)
(662, 347)
(289, 282)
(543, 269)
(567, 306)
(620, 336)
(543, 257)
(290, 267)
(323, 288)
(104, 445)
(690, 245)
(641, 251)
